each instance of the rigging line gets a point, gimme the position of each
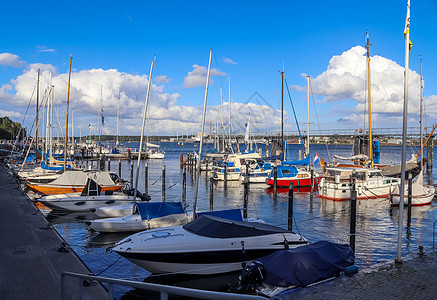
(108, 266)
(294, 112)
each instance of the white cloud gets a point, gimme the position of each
(229, 61)
(10, 114)
(197, 77)
(11, 60)
(44, 49)
(346, 80)
(162, 79)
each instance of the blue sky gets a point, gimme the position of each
(113, 44)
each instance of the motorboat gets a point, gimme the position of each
(148, 215)
(421, 194)
(90, 198)
(257, 173)
(336, 184)
(232, 165)
(155, 154)
(74, 181)
(207, 245)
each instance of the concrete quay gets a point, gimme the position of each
(31, 256)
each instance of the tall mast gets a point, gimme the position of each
(66, 119)
(404, 136)
(308, 115)
(37, 115)
(370, 107)
(142, 130)
(421, 124)
(201, 134)
(282, 115)
(230, 144)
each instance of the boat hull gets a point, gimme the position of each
(416, 200)
(59, 189)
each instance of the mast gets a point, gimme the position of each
(118, 116)
(308, 115)
(230, 143)
(404, 136)
(421, 124)
(370, 107)
(282, 115)
(201, 133)
(66, 119)
(37, 116)
(142, 132)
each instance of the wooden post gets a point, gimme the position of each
(119, 168)
(181, 160)
(410, 188)
(290, 206)
(245, 198)
(429, 154)
(275, 177)
(184, 184)
(146, 178)
(211, 195)
(300, 154)
(225, 174)
(163, 183)
(131, 174)
(109, 164)
(353, 213)
(312, 183)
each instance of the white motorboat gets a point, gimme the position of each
(336, 184)
(155, 154)
(421, 194)
(207, 245)
(148, 215)
(233, 165)
(90, 198)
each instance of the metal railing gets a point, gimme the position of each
(164, 290)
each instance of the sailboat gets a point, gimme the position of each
(337, 182)
(209, 244)
(143, 215)
(421, 194)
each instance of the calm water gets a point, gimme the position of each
(316, 219)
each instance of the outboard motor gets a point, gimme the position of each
(251, 277)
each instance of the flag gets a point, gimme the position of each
(407, 26)
(316, 159)
(89, 126)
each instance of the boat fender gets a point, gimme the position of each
(250, 278)
(351, 270)
(109, 201)
(79, 203)
(286, 247)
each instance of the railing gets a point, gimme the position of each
(164, 290)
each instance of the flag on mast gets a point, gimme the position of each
(407, 25)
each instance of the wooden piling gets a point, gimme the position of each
(410, 188)
(131, 174)
(119, 168)
(146, 178)
(211, 195)
(245, 198)
(163, 183)
(353, 213)
(184, 184)
(109, 164)
(275, 177)
(290, 206)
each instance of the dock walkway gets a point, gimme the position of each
(30, 263)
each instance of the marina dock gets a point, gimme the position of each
(32, 254)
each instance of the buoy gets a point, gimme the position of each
(351, 270)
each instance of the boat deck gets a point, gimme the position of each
(31, 263)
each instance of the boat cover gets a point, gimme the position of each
(306, 264)
(73, 177)
(216, 227)
(302, 162)
(230, 214)
(152, 210)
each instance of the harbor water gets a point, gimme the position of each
(316, 219)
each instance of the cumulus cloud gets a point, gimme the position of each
(10, 114)
(197, 77)
(229, 61)
(346, 80)
(162, 79)
(11, 60)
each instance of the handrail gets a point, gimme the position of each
(164, 290)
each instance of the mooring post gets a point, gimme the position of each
(290, 206)
(429, 154)
(163, 183)
(119, 168)
(410, 188)
(312, 183)
(102, 163)
(211, 195)
(225, 174)
(247, 177)
(353, 213)
(206, 170)
(184, 184)
(275, 177)
(181, 160)
(109, 164)
(245, 198)
(131, 174)
(146, 178)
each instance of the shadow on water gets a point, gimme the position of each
(218, 283)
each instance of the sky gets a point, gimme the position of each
(114, 42)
